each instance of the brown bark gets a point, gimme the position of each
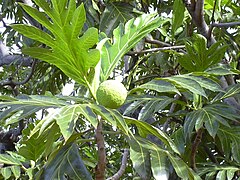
(195, 145)
(121, 171)
(101, 166)
(196, 10)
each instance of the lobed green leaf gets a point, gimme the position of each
(124, 38)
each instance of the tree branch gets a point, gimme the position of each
(212, 18)
(160, 43)
(214, 8)
(7, 59)
(28, 2)
(171, 110)
(210, 154)
(155, 50)
(101, 165)
(154, 41)
(226, 25)
(195, 8)
(121, 171)
(15, 59)
(29, 75)
(195, 145)
(11, 83)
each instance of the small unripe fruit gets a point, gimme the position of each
(111, 94)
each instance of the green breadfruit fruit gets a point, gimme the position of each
(111, 94)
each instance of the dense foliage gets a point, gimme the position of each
(179, 60)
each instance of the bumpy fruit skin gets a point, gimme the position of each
(111, 94)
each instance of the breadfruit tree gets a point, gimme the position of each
(119, 89)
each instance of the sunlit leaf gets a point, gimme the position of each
(6, 172)
(188, 84)
(66, 118)
(16, 171)
(230, 91)
(141, 161)
(125, 38)
(112, 116)
(230, 173)
(7, 159)
(159, 165)
(32, 147)
(221, 175)
(153, 131)
(157, 85)
(65, 49)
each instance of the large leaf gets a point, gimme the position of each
(16, 171)
(125, 38)
(66, 50)
(112, 116)
(182, 168)
(67, 116)
(178, 15)
(226, 172)
(206, 83)
(66, 162)
(178, 138)
(159, 165)
(153, 106)
(148, 105)
(33, 146)
(141, 161)
(136, 103)
(190, 84)
(230, 91)
(157, 85)
(210, 117)
(179, 165)
(230, 138)
(148, 129)
(6, 172)
(219, 70)
(9, 160)
(211, 124)
(28, 105)
(225, 111)
(114, 14)
(189, 124)
(199, 57)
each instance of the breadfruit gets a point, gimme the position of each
(111, 94)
